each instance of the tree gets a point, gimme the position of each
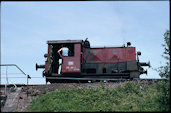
(164, 71)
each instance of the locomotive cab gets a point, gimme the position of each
(58, 64)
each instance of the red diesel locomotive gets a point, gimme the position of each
(83, 62)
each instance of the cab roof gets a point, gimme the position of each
(63, 41)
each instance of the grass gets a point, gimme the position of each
(128, 97)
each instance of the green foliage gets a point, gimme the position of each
(163, 97)
(166, 53)
(101, 84)
(164, 71)
(129, 97)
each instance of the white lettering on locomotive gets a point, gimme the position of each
(70, 63)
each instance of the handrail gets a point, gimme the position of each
(28, 77)
(13, 65)
(17, 67)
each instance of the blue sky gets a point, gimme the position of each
(26, 26)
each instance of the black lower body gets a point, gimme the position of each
(99, 71)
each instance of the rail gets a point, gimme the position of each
(28, 76)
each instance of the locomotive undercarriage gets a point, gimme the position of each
(84, 78)
(100, 71)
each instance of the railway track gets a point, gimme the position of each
(88, 80)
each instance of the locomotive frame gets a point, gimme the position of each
(88, 63)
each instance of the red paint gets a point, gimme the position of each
(72, 64)
(130, 53)
(109, 55)
(46, 62)
(94, 55)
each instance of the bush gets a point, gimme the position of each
(128, 97)
(163, 95)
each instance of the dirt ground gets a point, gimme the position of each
(35, 91)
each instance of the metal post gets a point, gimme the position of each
(137, 58)
(6, 81)
(5, 89)
(7, 75)
(27, 86)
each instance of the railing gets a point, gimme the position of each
(27, 76)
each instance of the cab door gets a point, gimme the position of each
(72, 64)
